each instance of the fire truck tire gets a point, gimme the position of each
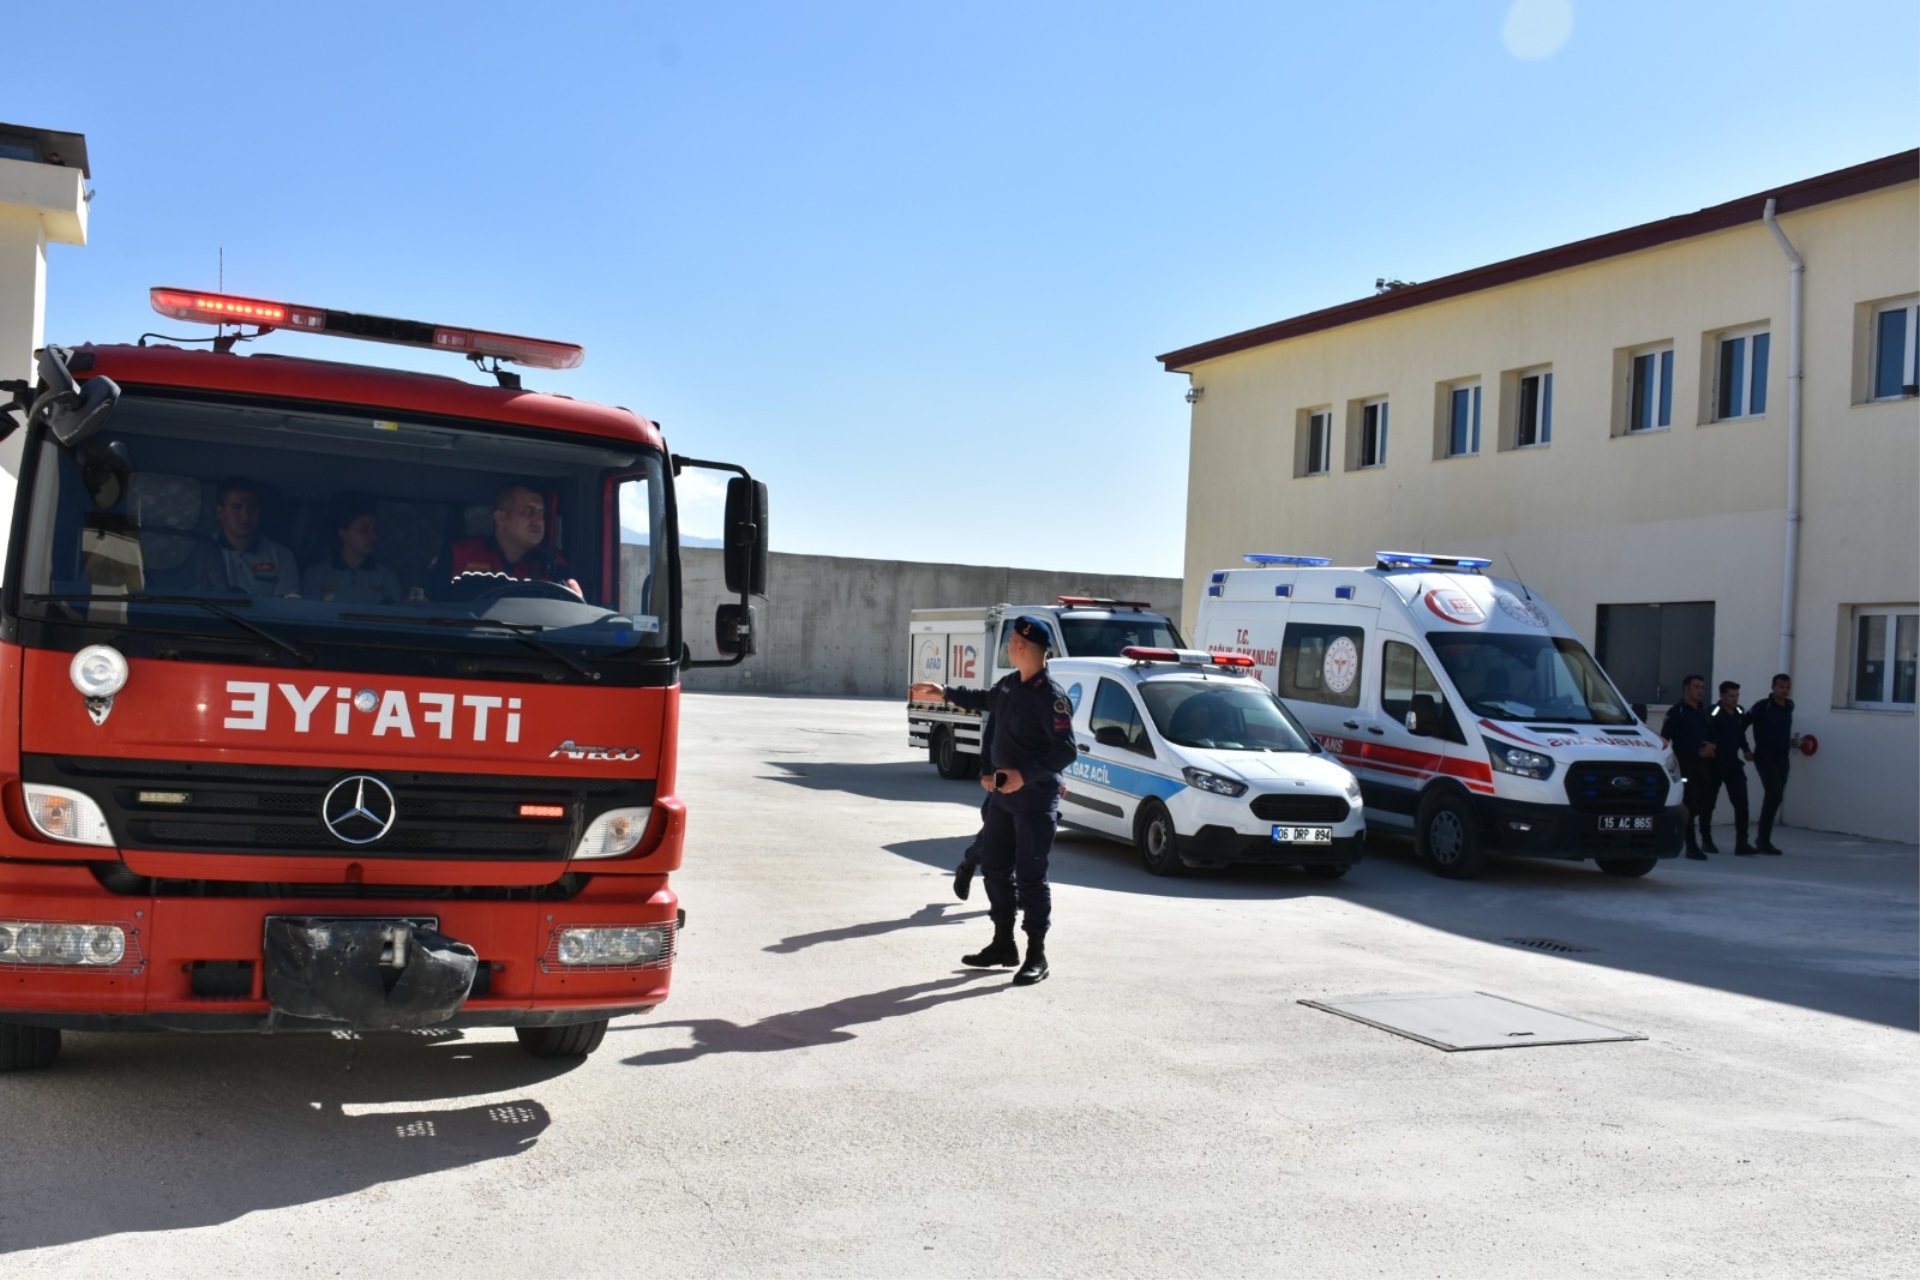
(1627, 866)
(948, 758)
(576, 1041)
(1447, 837)
(27, 1048)
(1159, 845)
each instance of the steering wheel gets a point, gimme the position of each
(527, 589)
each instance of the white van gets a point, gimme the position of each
(1189, 759)
(1471, 713)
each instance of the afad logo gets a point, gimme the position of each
(1455, 606)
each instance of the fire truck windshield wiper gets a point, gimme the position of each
(218, 610)
(525, 633)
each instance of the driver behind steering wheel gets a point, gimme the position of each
(517, 547)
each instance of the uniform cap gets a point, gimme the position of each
(1028, 627)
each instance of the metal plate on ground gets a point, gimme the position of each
(1469, 1020)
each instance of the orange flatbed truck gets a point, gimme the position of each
(277, 772)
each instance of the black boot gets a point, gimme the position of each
(998, 952)
(1035, 968)
(963, 879)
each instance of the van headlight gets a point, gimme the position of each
(60, 814)
(1507, 758)
(1219, 785)
(1673, 767)
(1353, 791)
(613, 833)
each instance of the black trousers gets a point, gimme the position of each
(972, 855)
(1773, 767)
(1014, 848)
(1697, 778)
(1732, 775)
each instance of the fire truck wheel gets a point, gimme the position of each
(1627, 866)
(1447, 837)
(949, 759)
(576, 1041)
(1154, 836)
(27, 1048)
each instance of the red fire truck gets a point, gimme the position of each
(335, 696)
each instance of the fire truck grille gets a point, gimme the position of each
(243, 809)
(1597, 786)
(1277, 808)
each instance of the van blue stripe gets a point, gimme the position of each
(1118, 777)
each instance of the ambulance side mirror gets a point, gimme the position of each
(1423, 717)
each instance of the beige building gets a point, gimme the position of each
(1616, 421)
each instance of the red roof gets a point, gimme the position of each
(1887, 171)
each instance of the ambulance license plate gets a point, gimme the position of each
(1626, 822)
(1302, 835)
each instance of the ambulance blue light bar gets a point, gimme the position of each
(1263, 557)
(220, 308)
(1420, 560)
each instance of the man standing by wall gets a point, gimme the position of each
(1772, 721)
(1685, 729)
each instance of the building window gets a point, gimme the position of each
(1886, 643)
(1463, 420)
(1373, 433)
(1896, 350)
(1741, 388)
(1534, 424)
(1315, 449)
(1650, 393)
(1648, 649)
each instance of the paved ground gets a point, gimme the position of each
(828, 1093)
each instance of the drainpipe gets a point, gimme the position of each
(1796, 376)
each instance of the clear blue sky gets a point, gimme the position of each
(912, 263)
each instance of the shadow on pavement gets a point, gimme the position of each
(809, 1028)
(912, 780)
(934, 913)
(170, 1132)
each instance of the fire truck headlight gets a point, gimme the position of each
(98, 671)
(60, 814)
(72, 945)
(627, 945)
(613, 833)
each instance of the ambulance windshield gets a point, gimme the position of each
(260, 533)
(1529, 677)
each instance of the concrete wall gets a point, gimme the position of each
(837, 626)
(1696, 511)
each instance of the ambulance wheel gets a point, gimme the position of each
(1627, 866)
(949, 759)
(1154, 836)
(1447, 838)
(27, 1048)
(575, 1041)
(1325, 871)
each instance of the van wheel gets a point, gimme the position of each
(1627, 866)
(1447, 838)
(27, 1048)
(948, 758)
(1325, 871)
(1159, 846)
(574, 1041)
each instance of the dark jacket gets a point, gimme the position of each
(1687, 729)
(1727, 730)
(1772, 726)
(1032, 725)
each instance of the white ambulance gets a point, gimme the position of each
(1195, 763)
(1473, 716)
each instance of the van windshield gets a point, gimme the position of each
(1529, 677)
(1223, 717)
(1106, 637)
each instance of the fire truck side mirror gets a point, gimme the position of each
(746, 537)
(733, 629)
(73, 422)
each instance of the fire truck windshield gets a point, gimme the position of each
(294, 537)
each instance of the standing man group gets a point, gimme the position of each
(1712, 748)
(1032, 745)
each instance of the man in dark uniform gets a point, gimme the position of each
(1772, 722)
(970, 860)
(1727, 738)
(1032, 744)
(1685, 728)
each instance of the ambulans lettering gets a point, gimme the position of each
(255, 706)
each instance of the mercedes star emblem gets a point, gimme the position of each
(359, 809)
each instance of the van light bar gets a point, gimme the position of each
(1262, 557)
(222, 308)
(1232, 660)
(1185, 657)
(1103, 602)
(1420, 560)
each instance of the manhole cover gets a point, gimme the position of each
(1472, 1020)
(1547, 944)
